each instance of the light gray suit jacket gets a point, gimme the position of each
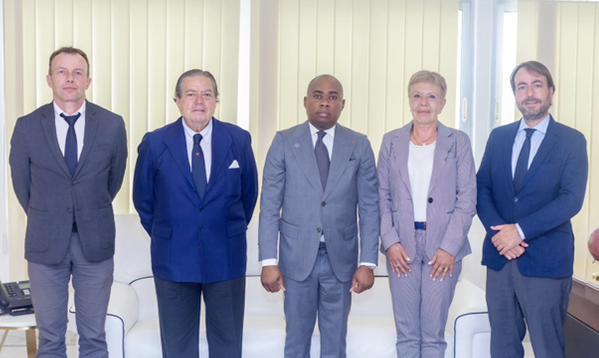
(49, 194)
(451, 193)
(294, 204)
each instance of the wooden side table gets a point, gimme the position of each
(20, 323)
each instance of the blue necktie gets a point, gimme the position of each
(522, 164)
(70, 147)
(322, 158)
(198, 167)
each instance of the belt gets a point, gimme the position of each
(74, 229)
(420, 225)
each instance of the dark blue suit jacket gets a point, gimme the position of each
(195, 240)
(552, 194)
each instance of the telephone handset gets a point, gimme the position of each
(15, 297)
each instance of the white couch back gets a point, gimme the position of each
(132, 257)
(132, 262)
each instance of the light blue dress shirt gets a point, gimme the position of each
(535, 142)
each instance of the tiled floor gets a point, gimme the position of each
(15, 346)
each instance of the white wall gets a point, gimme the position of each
(4, 267)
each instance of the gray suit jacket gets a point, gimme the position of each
(50, 195)
(294, 204)
(451, 193)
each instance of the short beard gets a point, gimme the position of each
(534, 115)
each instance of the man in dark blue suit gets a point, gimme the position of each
(531, 182)
(195, 189)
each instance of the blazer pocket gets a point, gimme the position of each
(236, 228)
(161, 231)
(288, 230)
(351, 232)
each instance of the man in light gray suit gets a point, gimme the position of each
(68, 160)
(319, 173)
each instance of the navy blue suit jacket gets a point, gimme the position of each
(552, 193)
(193, 239)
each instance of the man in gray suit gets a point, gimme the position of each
(319, 173)
(68, 160)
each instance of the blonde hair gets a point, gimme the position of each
(428, 77)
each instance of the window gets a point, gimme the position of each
(507, 30)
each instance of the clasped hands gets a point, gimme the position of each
(508, 241)
(272, 279)
(442, 262)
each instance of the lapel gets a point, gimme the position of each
(507, 147)
(176, 143)
(551, 137)
(91, 128)
(343, 147)
(303, 149)
(400, 147)
(221, 142)
(444, 144)
(49, 128)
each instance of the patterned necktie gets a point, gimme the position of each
(70, 147)
(322, 159)
(198, 167)
(522, 164)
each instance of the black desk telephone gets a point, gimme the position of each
(15, 298)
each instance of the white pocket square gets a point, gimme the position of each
(234, 165)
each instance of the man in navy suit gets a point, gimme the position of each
(195, 189)
(531, 182)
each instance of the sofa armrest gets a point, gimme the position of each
(472, 335)
(122, 315)
(468, 322)
(123, 305)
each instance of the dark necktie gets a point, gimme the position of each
(522, 164)
(198, 167)
(322, 158)
(70, 147)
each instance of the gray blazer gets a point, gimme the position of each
(294, 204)
(451, 193)
(49, 195)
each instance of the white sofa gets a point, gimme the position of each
(132, 328)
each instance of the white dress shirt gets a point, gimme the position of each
(328, 141)
(62, 127)
(205, 144)
(535, 143)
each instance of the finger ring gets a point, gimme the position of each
(445, 269)
(396, 265)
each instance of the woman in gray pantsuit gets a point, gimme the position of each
(427, 192)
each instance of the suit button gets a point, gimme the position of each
(430, 200)
(69, 210)
(201, 228)
(515, 199)
(199, 247)
(74, 182)
(202, 208)
(324, 203)
(319, 230)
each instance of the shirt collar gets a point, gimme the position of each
(58, 111)
(541, 127)
(206, 132)
(329, 132)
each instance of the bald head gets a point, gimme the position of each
(334, 80)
